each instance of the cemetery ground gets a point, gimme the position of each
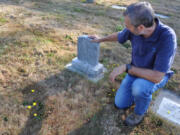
(38, 38)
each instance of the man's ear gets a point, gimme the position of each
(141, 27)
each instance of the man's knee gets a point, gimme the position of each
(118, 106)
(120, 103)
(142, 88)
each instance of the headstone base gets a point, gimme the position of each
(92, 73)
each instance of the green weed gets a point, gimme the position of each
(78, 10)
(126, 45)
(119, 28)
(68, 37)
(3, 20)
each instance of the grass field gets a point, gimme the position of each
(38, 38)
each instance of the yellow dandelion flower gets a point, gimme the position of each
(35, 114)
(34, 103)
(29, 107)
(113, 90)
(32, 91)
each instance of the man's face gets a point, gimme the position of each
(135, 30)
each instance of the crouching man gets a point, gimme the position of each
(153, 50)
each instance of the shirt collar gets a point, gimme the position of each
(155, 34)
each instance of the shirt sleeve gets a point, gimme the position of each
(123, 36)
(166, 52)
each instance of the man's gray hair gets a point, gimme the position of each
(140, 13)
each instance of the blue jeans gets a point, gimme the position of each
(137, 90)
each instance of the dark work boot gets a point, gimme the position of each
(133, 119)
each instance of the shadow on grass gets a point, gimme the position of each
(107, 121)
(48, 87)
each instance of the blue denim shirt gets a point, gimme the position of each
(155, 52)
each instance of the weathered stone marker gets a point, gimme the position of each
(167, 105)
(87, 61)
(170, 110)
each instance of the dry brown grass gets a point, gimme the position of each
(37, 39)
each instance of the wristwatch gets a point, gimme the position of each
(128, 67)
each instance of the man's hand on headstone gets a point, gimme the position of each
(94, 39)
(117, 71)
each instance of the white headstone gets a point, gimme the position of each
(118, 7)
(161, 16)
(170, 110)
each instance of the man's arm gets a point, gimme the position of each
(112, 37)
(148, 74)
(121, 37)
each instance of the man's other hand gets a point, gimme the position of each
(117, 71)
